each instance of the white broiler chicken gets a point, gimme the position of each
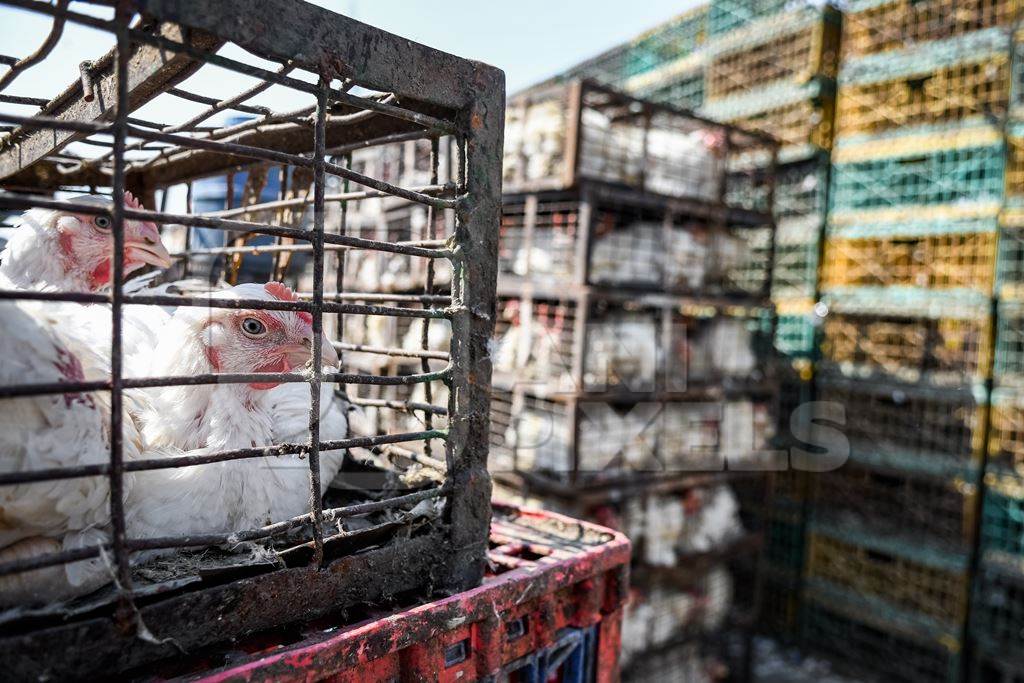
(201, 340)
(66, 251)
(48, 343)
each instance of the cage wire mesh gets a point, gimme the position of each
(273, 193)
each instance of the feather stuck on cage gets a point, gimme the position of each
(53, 250)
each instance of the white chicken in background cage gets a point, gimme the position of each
(722, 347)
(610, 151)
(684, 164)
(626, 255)
(618, 437)
(747, 428)
(535, 141)
(622, 353)
(540, 441)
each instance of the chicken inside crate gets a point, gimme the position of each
(558, 134)
(619, 239)
(633, 346)
(595, 440)
(238, 424)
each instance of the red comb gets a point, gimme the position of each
(131, 202)
(281, 291)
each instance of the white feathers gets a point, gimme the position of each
(31, 257)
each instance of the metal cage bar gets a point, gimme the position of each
(441, 96)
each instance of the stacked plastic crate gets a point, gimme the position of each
(633, 322)
(771, 65)
(907, 279)
(768, 65)
(997, 615)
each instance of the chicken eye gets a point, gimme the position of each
(101, 222)
(253, 327)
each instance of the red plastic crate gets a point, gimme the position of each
(550, 609)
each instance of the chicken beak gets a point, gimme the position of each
(298, 355)
(146, 247)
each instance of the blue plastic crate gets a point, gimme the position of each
(944, 176)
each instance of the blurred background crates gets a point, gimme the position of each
(928, 584)
(937, 176)
(1002, 517)
(795, 328)
(609, 237)
(859, 635)
(872, 26)
(907, 346)
(1006, 434)
(898, 502)
(561, 133)
(638, 345)
(925, 428)
(668, 43)
(790, 47)
(963, 80)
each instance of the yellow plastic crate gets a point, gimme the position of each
(793, 47)
(877, 571)
(870, 26)
(940, 261)
(953, 93)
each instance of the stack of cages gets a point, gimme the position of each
(344, 518)
(772, 66)
(906, 349)
(633, 323)
(997, 609)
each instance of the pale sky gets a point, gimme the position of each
(530, 39)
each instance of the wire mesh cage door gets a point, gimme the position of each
(361, 87)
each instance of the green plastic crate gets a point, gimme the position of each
(728, 15)
(1002, 516)
(945, 176)
(997, 620)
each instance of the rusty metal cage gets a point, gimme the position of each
(354, 88)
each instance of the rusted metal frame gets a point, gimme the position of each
(242, 13)
(314, 37)
(474, 291)
(234, 149)
(118, 523)
(442, 300)
(210, 302)
(396, 352)
(190, 209)
(47, 388)
(428, 290)
(151, 72)
(404, 406)
(172, 462)
(21, 202)
(94, 648)
(30, 101)
(574, 135)
(319, 189)
(233, 102)
(393, 138)
(340, 198)
(269, 531)
(215, 108)
(41, 53)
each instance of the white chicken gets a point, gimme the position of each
(70, 252)
(201, 340)
(46, 344)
